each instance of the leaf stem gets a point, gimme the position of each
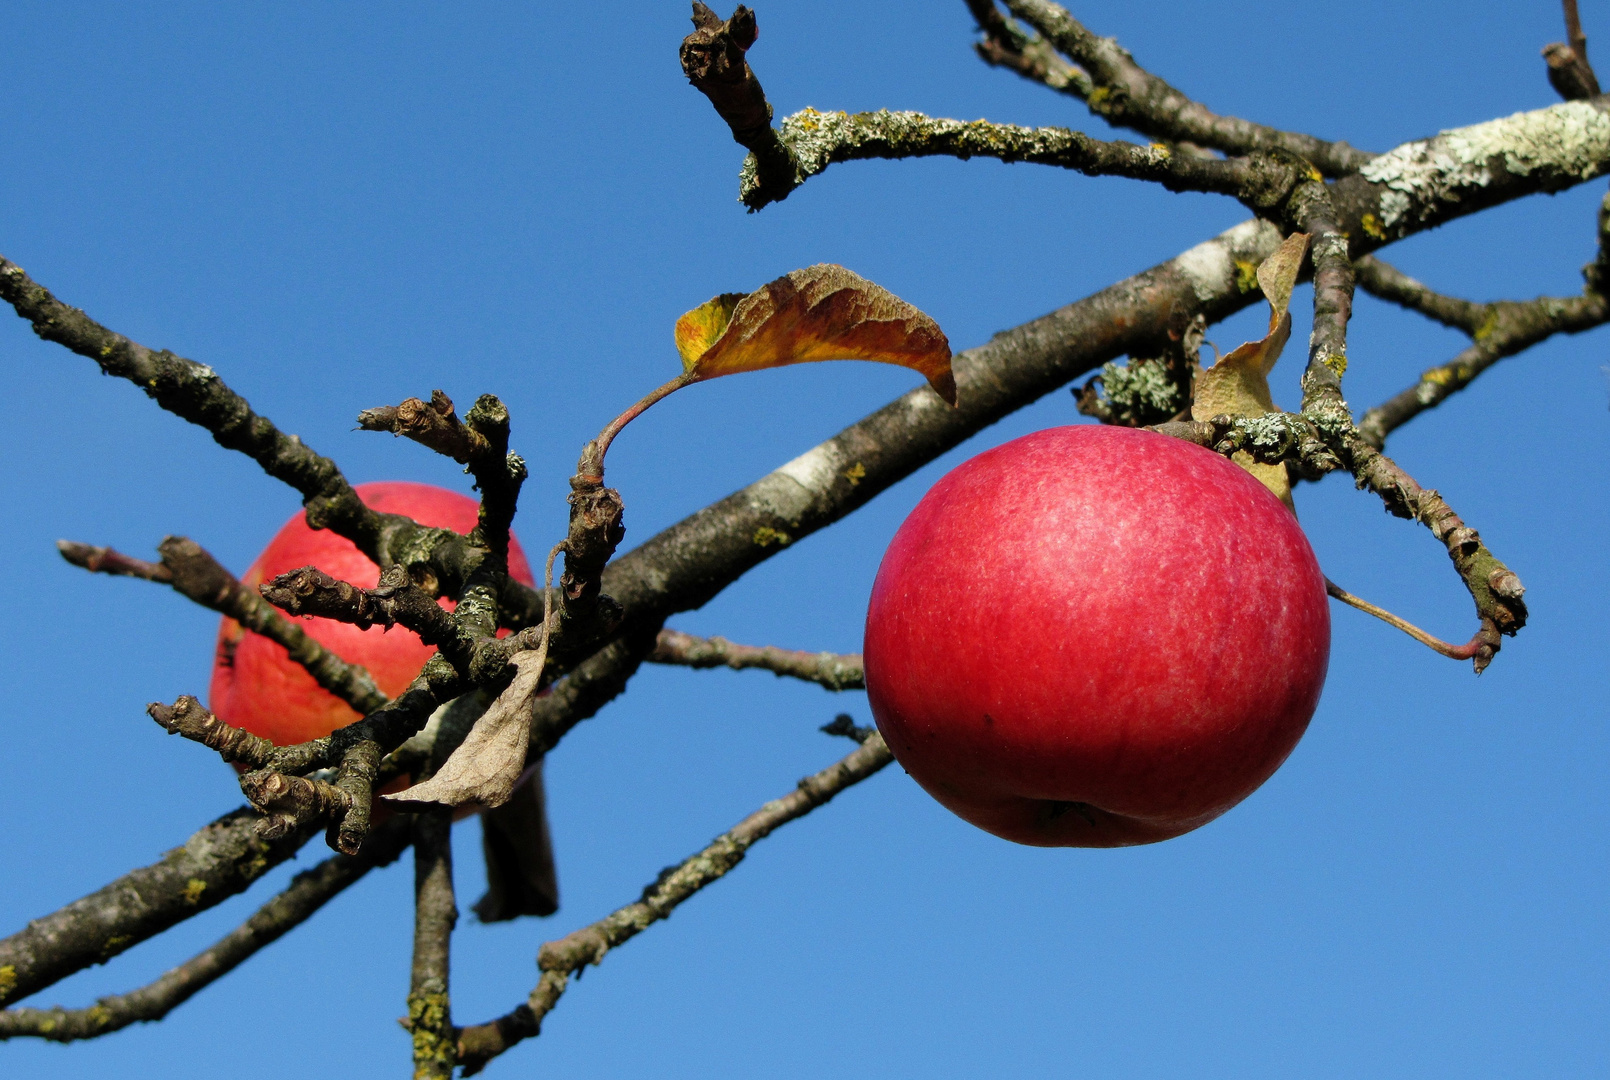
(591, 467)
(1453, 652)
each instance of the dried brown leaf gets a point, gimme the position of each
(823, 312)
(486, 766)
(1238, 385)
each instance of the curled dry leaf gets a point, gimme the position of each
(487, 765)
(1238, 385)
(823, 312)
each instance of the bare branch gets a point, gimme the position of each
(190, 718)
(1008, 45)
(565, 957)
(1492, 585)
(1568, 69)
(816, 140)
(105, 560)
(1387, 282)
(194, 573)
(1126, 95)
(307, 893)
(1510, 328)
(1315, 213)
(832, 670)
(195, 393)
(481, 442)
(216, 863)
(430, 1013)
(433, 424)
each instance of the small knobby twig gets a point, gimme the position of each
(1568, 69)
(430, 1013)
(307, 893)
(394, 599)
(832, 670)
(433, 424)
(559, 960)
(713, 60)
(190, 718)
(288, 803)
(480, 442)
(1126, 95)
(194, 573)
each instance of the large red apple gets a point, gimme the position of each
(1096, 636)
(256, 685)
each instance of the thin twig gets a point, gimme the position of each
(561, 959)
(1511, 328)
(832, 670)
(195, 574)
(1387, 282)
(1127, 95)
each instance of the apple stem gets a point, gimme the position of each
(590, 470)
(1454, 652)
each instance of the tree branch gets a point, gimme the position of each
(481, 443)
(217, 862)
(1568, 69)
(1386, 282)
(1315, 213)
(1492, 585)
(195, 393)
(1511, 327)
(565, 957)
(195, 574)
(307, 893)
(1006, 44)
(1126, 95)
(816, 140)
(832, 670)
(430, 1013)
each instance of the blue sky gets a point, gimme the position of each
(338, 206)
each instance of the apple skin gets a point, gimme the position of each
(1096, 637)
(255, 683)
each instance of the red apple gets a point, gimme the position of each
(256, 685)
(1094, 637)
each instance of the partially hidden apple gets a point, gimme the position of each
(255, 683)
(1095, 637)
